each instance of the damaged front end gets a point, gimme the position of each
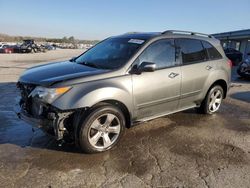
(32, 108)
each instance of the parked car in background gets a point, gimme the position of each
(7, 49)
(244, 68)
(49, 47)
(28, 46)
(52, 47)
(122, 81)
(2, 45)
(41, 48)
(234, 55)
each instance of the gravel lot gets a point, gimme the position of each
(181, 150)
(11, 65)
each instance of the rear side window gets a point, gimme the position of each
(191, 50)
(211, 51)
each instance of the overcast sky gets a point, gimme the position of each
(97, 19)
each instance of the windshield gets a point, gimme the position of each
(111, 53)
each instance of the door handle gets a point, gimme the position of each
(209, 67)
(173, 75)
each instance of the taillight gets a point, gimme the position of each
(230, 63)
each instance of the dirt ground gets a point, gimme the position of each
(181, 150)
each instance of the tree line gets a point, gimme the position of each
(71, 39)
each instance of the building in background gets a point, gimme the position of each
(238, 40)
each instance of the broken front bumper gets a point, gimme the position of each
(53, 123)
(35, 122)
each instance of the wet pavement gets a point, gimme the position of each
(181, 150)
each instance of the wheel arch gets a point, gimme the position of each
(121, 106)
(221, 83)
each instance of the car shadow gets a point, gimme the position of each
(237, 78)
(243, 96)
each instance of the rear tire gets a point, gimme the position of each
(213, 100)
(241, 72)
(101, 129)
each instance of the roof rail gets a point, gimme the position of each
(186, 32)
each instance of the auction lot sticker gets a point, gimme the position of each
(136, 41)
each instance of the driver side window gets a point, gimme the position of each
(161, 52)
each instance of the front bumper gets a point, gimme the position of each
(35, 122)
(53, 123)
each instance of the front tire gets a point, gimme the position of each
(213, 100)
(101, 129)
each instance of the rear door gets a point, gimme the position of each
(195, 70)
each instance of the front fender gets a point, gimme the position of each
(103, 94)
(88, 94)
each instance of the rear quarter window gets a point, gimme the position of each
(212, 52)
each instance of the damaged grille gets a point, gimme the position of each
(26, 101)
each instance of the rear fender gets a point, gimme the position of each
(213, 77)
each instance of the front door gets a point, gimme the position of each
(157, 93)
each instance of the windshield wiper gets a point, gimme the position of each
(90, 64)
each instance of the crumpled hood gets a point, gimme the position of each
(49, 74)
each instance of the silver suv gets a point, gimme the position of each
(124, 80)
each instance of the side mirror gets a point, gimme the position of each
(72, 59)
(147, 67)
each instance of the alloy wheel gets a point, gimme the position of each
(104, 131)
(215, 100)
